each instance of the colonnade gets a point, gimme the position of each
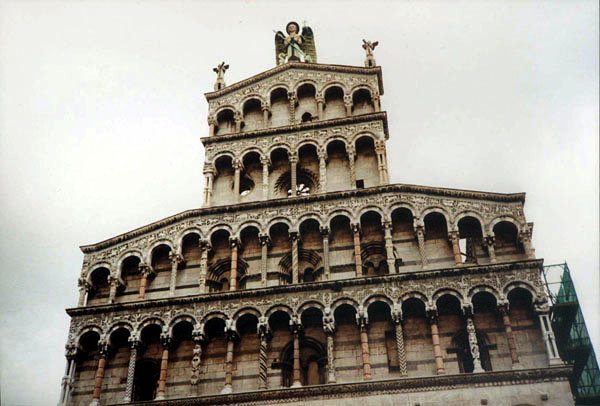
(264, 332)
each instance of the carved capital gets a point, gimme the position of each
(145, 269)
(324, 230)
(265, 239)
(83, 284)
(175, 257)
(362, 317)
(348, 100)
(234, 242)
(265, 106)
(355, 228)
(397, 313)
(265, 161)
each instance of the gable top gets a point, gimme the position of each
(298, 66)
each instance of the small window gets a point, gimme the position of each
(306, 118)
(360, 184)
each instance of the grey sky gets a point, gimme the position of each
(102, 107)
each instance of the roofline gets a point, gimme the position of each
(300, 65)
(381, 115)
(398, 187)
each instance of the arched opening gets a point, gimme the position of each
(471, 239)
(161, 264)
(362, 102)
(281, 247)
(213, 355)
(406, 248)
(417, 340)
(311, 249)
(190, 249)
(250, 177)
(366, 165)
(372, 246)
(338, 167)
(341, 242)
(100, 287)
(280, 177)
(437, 245)
(245, 354)
(280, 115)
(147, 370)
(488, 325)
(334, 103)
(253, 117)
(219, 263)
(86, 360)
(450, 320)
(307, 103)
(307, 174)
(347, 349)
(382, 337)
(181, 348)
(313, 362)
(131, 275)
(251, 254)
(223, 181)
(528, 334)
(225, 122)
(507, 239)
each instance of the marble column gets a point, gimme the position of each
(389, 247)
(325, 235)
(212, 122)
(400, 348)
(233, 275)
(296, 327)
(134, 343)
(84, 288)
(362, 320)
(176, 259)
(237, 117)
(295, 260)
(525, 238)
(375, 98)
(292, 98)
(230, 334)
(161, 392)
(453, 237)
(320, 105)
(432, 318)
(237, 167)
(266, 162)
(208, 182)
(323, 170)
(114, 282)
(473, 344)
(490, 241)
(264, 333)
(420, 232)
(510, 337)
(67, 380)
(357, 257)
(348, 104)
(266, 108)
(204, 250)
(351, 163)
(329, 328)
(293, 173)
(265, 241)
(146, 271)
(543, 312)
(199, 339)
(103, 350)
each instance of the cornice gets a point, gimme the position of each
(300, 127)
(377, 388)
(297, 65)
(313, 286)
(347, 194)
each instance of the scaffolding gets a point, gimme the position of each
(572, 338)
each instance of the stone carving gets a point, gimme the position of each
(474, 346)
(220, 71)
(295, 46)
(369, 46)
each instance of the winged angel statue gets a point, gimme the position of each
(295, 46)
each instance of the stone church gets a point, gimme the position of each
(306, 277)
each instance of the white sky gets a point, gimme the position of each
(102, 107)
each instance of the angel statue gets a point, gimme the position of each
(369, 46)
(220, 71)
(295, 46)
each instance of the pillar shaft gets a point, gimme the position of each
(198, 338)
(293, 167)
(474, 345)
(265, 179)
(510, 338)
(234, 263)
(320, 105)
(99, 377)
(71, 379)
(437, 352)
(295, 259)
(357, 258)
(262, 360)
(325, 235)
(228, 388)
(236, 180)
(389, 247)
(176, 259)
(265, 117)
(207, 188)
(551, 349)
(292, 107)
(264, 252)
(454, 240)
(421, 241)
(296, 365)
(352, 165)
(491, 240)
(204, 248)
(348, 105)
(366, 358)
(400, 347)
(130, 371)
(323, 172)
(376, 103)
(162, 380)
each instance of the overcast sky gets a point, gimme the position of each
(102, 108)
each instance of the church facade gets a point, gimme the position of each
(306, 277)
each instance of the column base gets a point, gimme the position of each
(126, 399)
(555, 361)
(226, 389)
(94, 402)
(331, 379)
(296, 384)
(478, 370)
(160, 397)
